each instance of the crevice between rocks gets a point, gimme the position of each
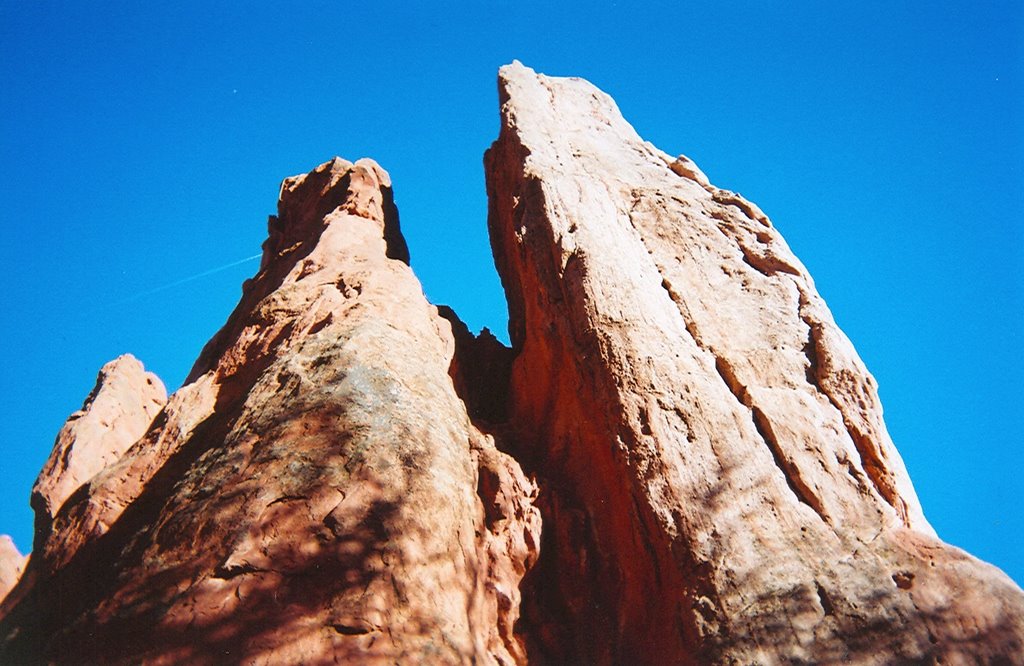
(480, 370)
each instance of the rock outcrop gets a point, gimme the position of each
(12, 563)
(116, 414)
(717, 482)
(315, 492)
(681, 459)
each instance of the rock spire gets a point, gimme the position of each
(680, 460)
(717, 483)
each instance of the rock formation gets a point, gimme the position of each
(12, 563)
(115, 415)
(680, 460)
(316, 490)
(716, 479)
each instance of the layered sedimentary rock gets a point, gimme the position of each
(316, 492)
(717, 482)
(680, 460)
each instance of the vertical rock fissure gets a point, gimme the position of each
(870, 459)
(789, 471)
(760, 421)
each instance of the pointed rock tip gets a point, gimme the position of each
(362, 188)
(12, 565)
(123, 363)
(128, 365)
(515, 69)
(337, 167)
(8, 547)
(513, 73)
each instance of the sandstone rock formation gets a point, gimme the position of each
(315, 492)
(680, 460)
(717, 482)
(12, 563)
(115, 415)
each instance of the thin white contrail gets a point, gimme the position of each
(176, 283)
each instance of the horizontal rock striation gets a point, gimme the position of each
(717, 482)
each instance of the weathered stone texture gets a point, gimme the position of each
(315, 492)
(115, 415)
(716, 479)
(349, 475)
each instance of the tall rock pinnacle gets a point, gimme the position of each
(718, 485)
(681, 460)
(315, 492)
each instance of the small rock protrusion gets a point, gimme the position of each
(687, 168)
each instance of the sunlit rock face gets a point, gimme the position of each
(717, 483)
(315, 492)
(116, 414)
(681, 459)
(12, 563)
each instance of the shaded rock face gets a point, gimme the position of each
(315, 492)
(681, 459)
(717, 483)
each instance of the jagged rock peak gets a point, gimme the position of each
(361, 188)
(717, 483)
(315, 493)
(114, 416)
(12, 563)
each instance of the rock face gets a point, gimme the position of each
(349, 475)
(315, 492)
(717, 482)
(115, 415)
(12, 563)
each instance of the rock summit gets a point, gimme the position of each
(681, 458)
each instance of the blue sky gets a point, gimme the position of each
(143, 143)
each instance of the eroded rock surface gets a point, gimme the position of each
(12, 563)
(116, 414)
(341, 478)
(717, 482)
(315, 493)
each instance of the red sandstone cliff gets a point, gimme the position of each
(681, 459)
(717, 483)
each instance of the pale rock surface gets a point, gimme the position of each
(12, 563)
(116, 414)
(315, 493)
(717, 482)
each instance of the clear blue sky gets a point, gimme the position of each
(142, 143)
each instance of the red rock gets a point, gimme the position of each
(316, 491)
(717, 482)
(707, 450)
(115, 415)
